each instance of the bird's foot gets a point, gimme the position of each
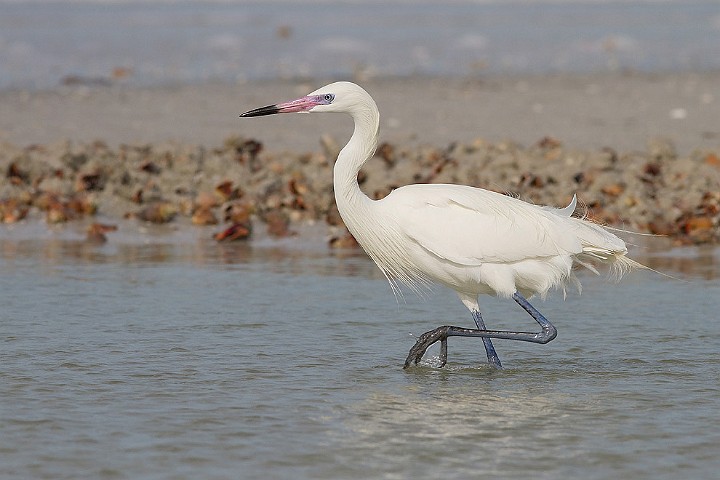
(494, 361)
(424, 341)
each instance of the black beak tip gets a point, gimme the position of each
(259, 112)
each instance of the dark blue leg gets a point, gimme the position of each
(492, 355)
(548, 333)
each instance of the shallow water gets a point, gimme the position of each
(189, 359)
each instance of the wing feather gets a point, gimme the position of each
(470, 226)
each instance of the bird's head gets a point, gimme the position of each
(345, 97)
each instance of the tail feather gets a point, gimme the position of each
(621, 265)
(601, 246)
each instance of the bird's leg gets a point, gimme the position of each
(548, 332)
(492, 355)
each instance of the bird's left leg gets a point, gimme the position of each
(492, 355)
(440, 334)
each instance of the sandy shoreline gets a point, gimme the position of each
(641, 151)
(621, 111)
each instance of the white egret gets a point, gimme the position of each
(471, 240)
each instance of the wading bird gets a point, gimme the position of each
(471, 240)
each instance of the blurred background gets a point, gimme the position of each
(47, 43)
(157, 352)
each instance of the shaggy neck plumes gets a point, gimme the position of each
(375, 231)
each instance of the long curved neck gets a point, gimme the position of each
(353, 156)
(372, 228)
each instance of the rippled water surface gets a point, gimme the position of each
(198, 360)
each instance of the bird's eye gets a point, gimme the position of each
(328, 97)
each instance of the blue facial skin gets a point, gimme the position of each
(325, 99)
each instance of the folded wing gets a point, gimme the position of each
(470, 226)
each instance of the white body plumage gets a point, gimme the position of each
(471, 240)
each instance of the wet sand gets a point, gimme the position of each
(641, 151)
(621, 111)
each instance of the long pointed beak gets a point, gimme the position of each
(302, 104)
(259, 112)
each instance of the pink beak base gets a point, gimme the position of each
(302, 104)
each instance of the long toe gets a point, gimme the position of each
(415, 355)
(424, 341)
(443, 352)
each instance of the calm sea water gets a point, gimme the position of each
(43, 42)
(187, 359)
